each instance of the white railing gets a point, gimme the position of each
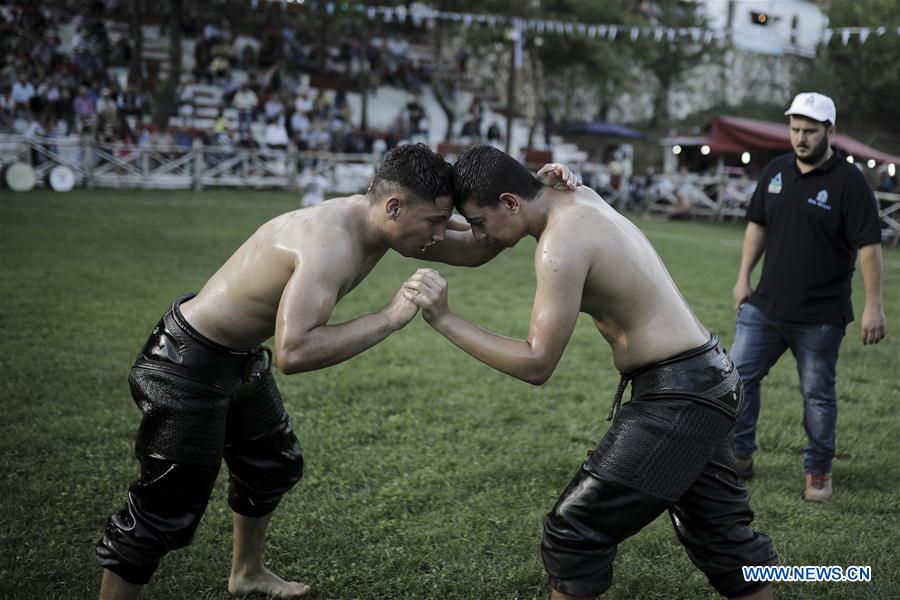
(120, 165)
(716, 196)
(889, 211)
(720, 197)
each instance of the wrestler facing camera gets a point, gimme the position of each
(668, 448)
(204, 384)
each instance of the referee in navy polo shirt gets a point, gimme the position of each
(811, 214)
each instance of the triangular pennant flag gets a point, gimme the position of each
(826, 36)
(670, 34)
(657, 35)
(863, 35)
(612, 32)
(845, 36)
(635, 32)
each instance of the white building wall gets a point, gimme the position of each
(793, 26)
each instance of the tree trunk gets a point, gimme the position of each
(165, 105)
(661, 103)
(439, 81)
(136, 65)
(540, 103)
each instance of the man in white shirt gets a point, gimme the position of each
(245, 101)
(22, 93)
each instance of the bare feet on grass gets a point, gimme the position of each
(266, 582)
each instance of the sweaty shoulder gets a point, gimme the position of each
(579, 227)
(308, 228)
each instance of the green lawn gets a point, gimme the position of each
(428, 473)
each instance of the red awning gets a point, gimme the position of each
(732, 135)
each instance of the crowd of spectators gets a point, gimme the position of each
(50, 88)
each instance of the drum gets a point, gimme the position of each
(61, 178)
(19, 177)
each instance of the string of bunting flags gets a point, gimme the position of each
(420, 14)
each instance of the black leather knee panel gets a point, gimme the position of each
(263, 470)
(163, 510)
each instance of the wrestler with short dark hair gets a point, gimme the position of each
(668, 448)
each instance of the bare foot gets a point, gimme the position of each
(266, 582)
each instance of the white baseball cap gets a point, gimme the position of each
(814, 105)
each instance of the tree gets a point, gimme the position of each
(669, 59)
(136, 63)
(165, 104)
(862, 77)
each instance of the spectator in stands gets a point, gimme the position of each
(50, 94)
(163, 142)
(105, 103)
(247, 57)
(322, 104)
(494, 136)
(274, 108)
(299, 125)
(185, 95)
(5, 104)
(245, 101)
(84, 108)
(22, 93)
(223, 56)
(65, 111)
(275, 135)
(302, 103)
(130, 101)
(319, 135)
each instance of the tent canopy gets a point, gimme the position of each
(603, 128)
(732, 135)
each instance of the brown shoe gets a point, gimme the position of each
(818, 487)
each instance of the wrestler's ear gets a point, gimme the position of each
(510, 201)
(392, 208)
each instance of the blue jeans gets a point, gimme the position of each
(758, 344)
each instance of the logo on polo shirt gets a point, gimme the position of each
(775, 184)
(821, 200)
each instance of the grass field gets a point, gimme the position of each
(427, 473)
